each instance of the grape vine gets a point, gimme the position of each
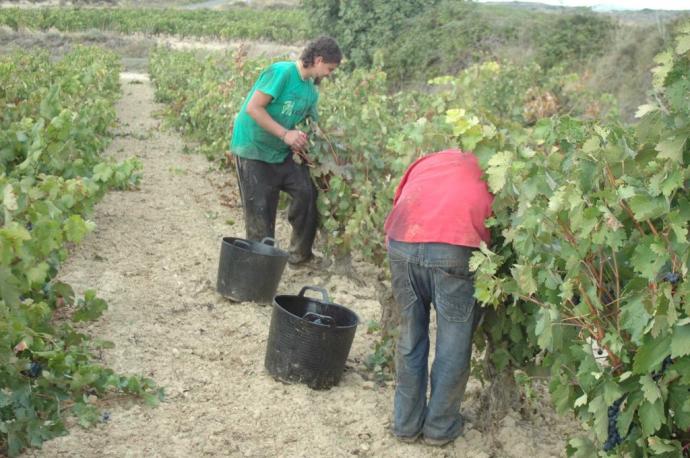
(54, 124)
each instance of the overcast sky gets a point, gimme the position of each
(625, 4)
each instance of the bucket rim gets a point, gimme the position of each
(282, 309)
(273, 252)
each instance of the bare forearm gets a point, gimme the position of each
(256, 109)
(262, 118)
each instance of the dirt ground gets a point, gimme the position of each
(154, 258)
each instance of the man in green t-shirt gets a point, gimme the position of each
(264, 139)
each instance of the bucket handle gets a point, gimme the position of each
(241, 243)
(318, 289)
(271, 240)
(323, 320)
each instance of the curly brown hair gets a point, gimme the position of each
(324, 47)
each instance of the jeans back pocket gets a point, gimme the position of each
(453, 293)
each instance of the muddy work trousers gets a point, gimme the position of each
(260, 184)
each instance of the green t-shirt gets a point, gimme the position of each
(293, 100)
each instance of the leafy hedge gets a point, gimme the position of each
(53, 126)
(281, 25)
(363, 26)
(594, 221)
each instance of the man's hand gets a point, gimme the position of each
(295, 139)
(229, 159)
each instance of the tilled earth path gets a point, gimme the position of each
(154, 257)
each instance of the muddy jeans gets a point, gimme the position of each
(438, 273)
(260, 185)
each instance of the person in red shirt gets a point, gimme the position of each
(438, 219)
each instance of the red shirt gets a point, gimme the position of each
(441, 198)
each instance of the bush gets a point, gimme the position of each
(573, 39)
(447, 39)
(363, 26)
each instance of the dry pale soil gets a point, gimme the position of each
(154, 258)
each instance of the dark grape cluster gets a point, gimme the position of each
(35, 370)
(658, 374)
(608, 297)
(614, 437)
(672, 277)
(322, 320)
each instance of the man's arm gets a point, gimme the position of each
(256, 108)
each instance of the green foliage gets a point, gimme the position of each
(204, 93)
(281, 25)
(54, 124)
(382, 361)
(573, 38)
(451, 37)
(443, 37)
(596, 219)
(363, 26)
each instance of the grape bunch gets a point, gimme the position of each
(34, 371)
(322, 320)
(672, 277)
(658, 374)
(614, 437)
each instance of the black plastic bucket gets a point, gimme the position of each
(248, 270)
(309, 340)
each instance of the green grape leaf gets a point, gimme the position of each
(646, 207)
(665, 61)
(612, 392)
(9, 199)
(591, 145)
(679, 402)
(76, 228)
(557, 199)
(650, 354)
(646, 259)
(679, 224)
(626, 417)
(672, 149)
(498, 170)
(9, 286)
(680, 342)
(37, 274)
(672, 182)
(90, 308)
(599, 409)
(102, 172)
(544, 327)
(87, 414)
(660, 446)
(651, 416)
(634, 318)
(581, 447)
(524, 277)
(650, 388)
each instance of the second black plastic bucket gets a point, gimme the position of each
(248, 270)
(309, 340)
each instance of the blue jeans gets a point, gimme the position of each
(438, 273)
